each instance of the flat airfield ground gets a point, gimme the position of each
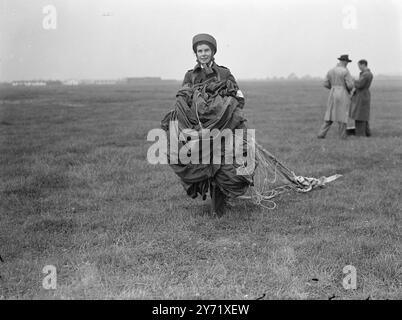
(77, 192)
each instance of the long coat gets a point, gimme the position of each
(360, 108)
(340, 82)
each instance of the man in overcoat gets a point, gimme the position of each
(340, 83)
(360, 108)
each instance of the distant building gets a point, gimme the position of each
(54, 83)
(85, 81)
(103, 82)
(71, 82)
(134, 80)
(29, 83)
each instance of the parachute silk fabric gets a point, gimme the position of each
(209, 105)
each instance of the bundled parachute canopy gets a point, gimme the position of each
(208, 106)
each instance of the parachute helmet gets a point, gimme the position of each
(204, 37)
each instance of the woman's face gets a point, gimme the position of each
(204, 53)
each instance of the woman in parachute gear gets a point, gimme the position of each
(205, 47)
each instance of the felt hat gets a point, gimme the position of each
(344, 57)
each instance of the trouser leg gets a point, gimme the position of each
(324, 129)
(361, 127)
(217, 200)
(368, 131)
(342, 130)
(351, 127)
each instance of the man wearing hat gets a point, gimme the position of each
(360, 108)
(340, 82)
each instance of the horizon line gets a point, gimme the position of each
(159, 78)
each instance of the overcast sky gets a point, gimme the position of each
(110, 39)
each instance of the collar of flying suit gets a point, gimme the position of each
(208, 68)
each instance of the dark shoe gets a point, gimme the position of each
(320, 137)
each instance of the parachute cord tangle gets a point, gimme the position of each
(264, 189)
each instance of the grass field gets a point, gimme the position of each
(78, 193)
